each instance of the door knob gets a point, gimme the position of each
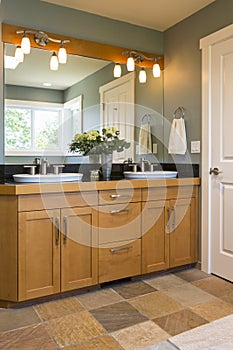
(214, 171)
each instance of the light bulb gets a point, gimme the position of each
(117, 71)
(19, 56)
(62, 55)
(130, 64)
(54, 64)
(142, 76)
(156, 70)
(25, 45)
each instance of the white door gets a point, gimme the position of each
(117, 101)
(220, 183)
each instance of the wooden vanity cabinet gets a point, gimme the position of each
(169, 228)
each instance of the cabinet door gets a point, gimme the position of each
(183, 231)
(155, 239)
(39, 254)
(78, 248)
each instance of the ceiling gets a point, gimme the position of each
(155, 14)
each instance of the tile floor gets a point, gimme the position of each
(186, 310)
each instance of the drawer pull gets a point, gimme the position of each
(114, 250)
(119, 211)
(57, 226)
(174, 217)
(65, 229)
(119, 195)
(168, 219)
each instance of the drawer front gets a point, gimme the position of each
(119, 261)
(158, 193)
(119, 222)
(120, 196)
(61, 200)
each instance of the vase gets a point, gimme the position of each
(106, 163)
(94, 158)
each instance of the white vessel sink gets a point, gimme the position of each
(149, 175)
(49, 178)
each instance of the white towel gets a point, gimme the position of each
(177, 141)
(145, 143)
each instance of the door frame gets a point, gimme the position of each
(206, 44)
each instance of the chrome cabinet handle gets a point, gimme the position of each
(215, 171)
(65, 230)
(57, 225)
(174, 217)
(168, 219)
(114, 250)
(119, 211)
(119, 195)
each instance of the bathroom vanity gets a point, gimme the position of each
(66, 236)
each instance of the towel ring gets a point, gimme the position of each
(146, 116)
(179, 110)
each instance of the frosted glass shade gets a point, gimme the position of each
(19, 55)
(25, 45)
(142, 76)
(117, 71)
(156, 70)
(54, 64)
(130, 64)
(62, 55)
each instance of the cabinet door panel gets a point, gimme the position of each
(155, 241)
(182, 232)
(39, 254)
(78, 248)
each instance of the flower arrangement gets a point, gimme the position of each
(92, 142)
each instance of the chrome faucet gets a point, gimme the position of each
(44, 165)
(144, 161)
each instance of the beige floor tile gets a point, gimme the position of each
(165, 282)
(188, 295)
(140, 335)
(165, 345)
(101, 343)
(30, 338)
(16, 318)
(216, 286)
(213, 309)
(74, 328)
(58, 308)
(99, 298)
(155, 304)
(191, 275)
(216, 335)
(180, 321)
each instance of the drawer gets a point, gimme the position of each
(61, 200)
(119, 222)
(158, 193)
(119, 261)
(120, 196)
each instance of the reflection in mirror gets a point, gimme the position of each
(65, 102)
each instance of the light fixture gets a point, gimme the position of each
(156, 69)
(142, 76)
(25, 44)
(42, 39)
(135, 57)
(117, 71)
(19, 55)
(130, 64)
(62, 54)
(54, 64)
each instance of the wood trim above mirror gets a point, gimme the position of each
(79, 47)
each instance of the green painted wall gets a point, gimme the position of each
(33, 94)
(182, 75)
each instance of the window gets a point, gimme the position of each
(33, 128)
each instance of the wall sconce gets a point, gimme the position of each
(135, 57)
(19, 55)
(117, 70)
(42, 39)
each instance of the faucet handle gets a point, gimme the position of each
(152, 166)
(56, 168)
(32, 168)
(134, 166)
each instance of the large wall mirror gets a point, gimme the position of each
(32, 90)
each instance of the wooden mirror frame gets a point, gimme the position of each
(79, 47)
